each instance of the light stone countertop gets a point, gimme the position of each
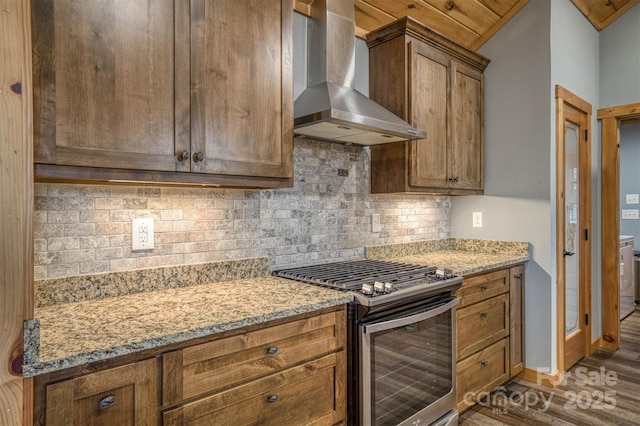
(464, 263)
(73, 334)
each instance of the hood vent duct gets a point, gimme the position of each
(330, 108)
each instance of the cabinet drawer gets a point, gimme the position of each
(220, 364)
(482, 324)
(305, 394)
(482, 287)
(482, 371)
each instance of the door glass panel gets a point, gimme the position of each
(571, 261)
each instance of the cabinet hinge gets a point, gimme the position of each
(586, 319)
(586, 134)
(586, 234)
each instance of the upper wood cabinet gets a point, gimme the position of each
(166, 91)
(437, 86)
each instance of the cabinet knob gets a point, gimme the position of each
(484, 315)
(484, 364)
(453, 179)
(484, 288)
(272, 350)
(107, 402)
(198, 156)
(272, 398)
(518, 276)
(184, 155)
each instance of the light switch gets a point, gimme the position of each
(142, 234)
(629, 213)
(477, 219)
(633, 199)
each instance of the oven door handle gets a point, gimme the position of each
(401, 322)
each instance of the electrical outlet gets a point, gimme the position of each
(142, 234)
(477, 219)
(629, 213)
(633, 198)
(375, 222)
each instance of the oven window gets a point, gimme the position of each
(411, 368)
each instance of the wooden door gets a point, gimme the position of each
(573, 176)
(466, 152)
(242, 101)
(111, 83)
(430, 109)
(126, 395)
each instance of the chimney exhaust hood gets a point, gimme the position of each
(331, 108)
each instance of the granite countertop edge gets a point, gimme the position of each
(491, 266)
(38, 368)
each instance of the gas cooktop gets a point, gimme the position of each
(375, 281)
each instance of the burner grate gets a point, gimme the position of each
(352, 274)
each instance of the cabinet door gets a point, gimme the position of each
(109, 83)
(466, 154)
(430, 109)
(242, 115)
(126, 395)
(516, 294)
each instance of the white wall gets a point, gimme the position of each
(575, 62)
(620, 60)
(517, 165)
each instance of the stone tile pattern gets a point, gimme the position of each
(73, 334)
(463, 256)
(326, 216)
(100, 286)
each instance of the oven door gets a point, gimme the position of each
(407, 366)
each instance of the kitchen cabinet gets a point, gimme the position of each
(125, 395)
(437, 86)
(175, 91)
(289, 371)
(294, 373)
(489, 332)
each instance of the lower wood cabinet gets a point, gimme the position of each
(125, 395)
(286, 372)
(489, 332)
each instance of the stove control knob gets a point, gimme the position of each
(388, 287)
(378, 287)
(367, 289)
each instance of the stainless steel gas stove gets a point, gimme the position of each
(401, 334)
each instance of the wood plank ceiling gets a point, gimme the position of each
(468, 22)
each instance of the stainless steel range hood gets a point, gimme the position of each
(331, 108)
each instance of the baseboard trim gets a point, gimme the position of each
(544, 378)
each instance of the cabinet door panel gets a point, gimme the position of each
(104, 83)
(466, 152)
(429, 110)
(132, 390)
(242, 96)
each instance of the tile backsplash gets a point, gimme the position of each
(326, 216)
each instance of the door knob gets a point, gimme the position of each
(567, 253)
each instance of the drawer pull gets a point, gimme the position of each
(106, 402)
(483, 288)
(483, 314)
(484, 364)
(272, 350)
(272, 398)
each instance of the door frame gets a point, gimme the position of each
(611, 119)
(565, 98)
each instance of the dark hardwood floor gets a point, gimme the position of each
(603, 389)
